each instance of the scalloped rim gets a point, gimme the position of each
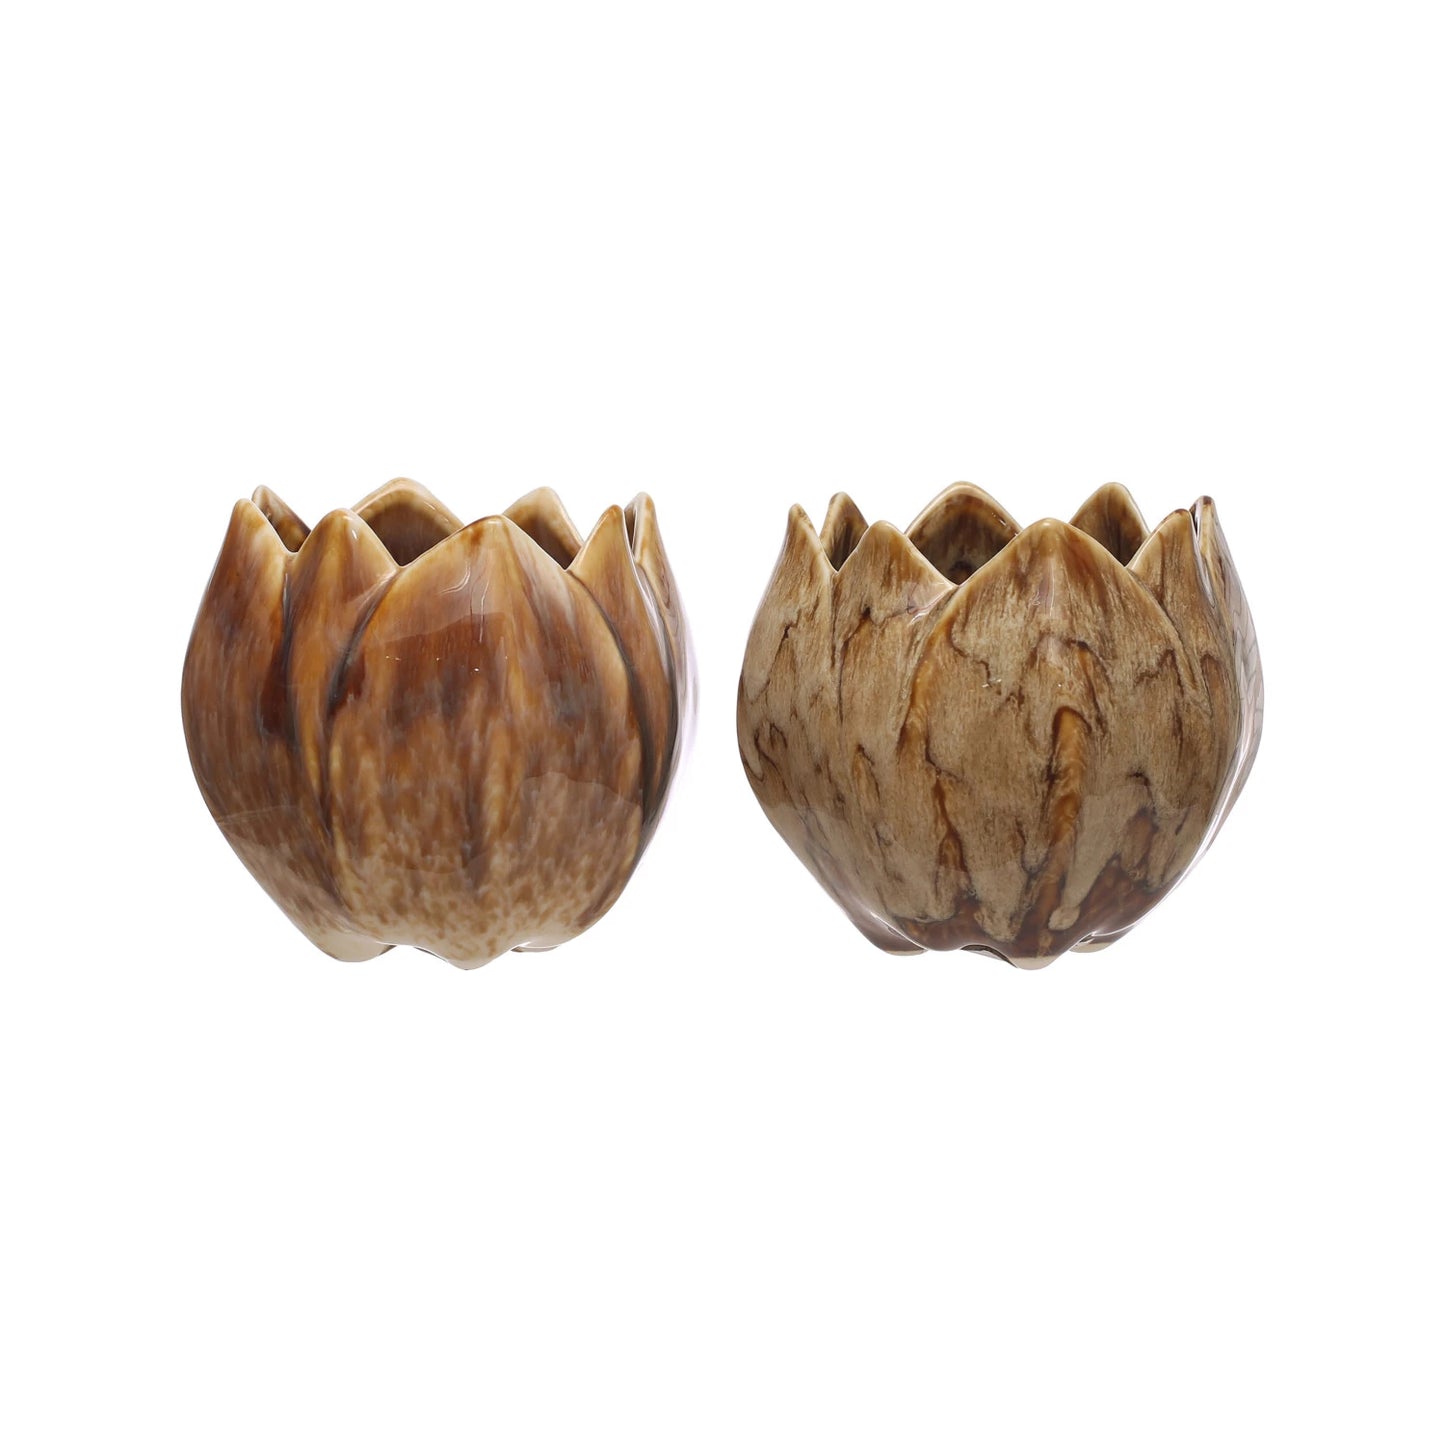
(842, 538)
(539, 516)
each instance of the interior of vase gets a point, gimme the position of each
(964, 527)
(961, 531)
(407, 526)
(1112, 519)
(958, 532)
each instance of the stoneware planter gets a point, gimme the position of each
(1009, 741)
(412, 731)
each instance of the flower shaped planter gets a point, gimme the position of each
(1012, 741)
(413, 731)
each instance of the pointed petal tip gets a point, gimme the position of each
(265, 499)
(339, 520)
(890, 573)
(343, 531)
(882, 541)
(539, 497)
(1112, 493)
(963, 496)
(1061, 550)
(643, 532)
(1112, 518)
(800, 538)
(1049, 535)
(540, 502)
(1160, 563)
(843, 526)
(398, 490)
(641, 509)
(541, 515)
(1205, 513)
(1176, 528)
(607, 547)
(251, 528)
(487, 531)
(289, 527)
(1220, 574)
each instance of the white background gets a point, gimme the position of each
(718, 1170)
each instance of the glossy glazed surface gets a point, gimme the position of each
(1015, 741)
(412, 731)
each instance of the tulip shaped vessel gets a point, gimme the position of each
(1011, 741)
(412, 731)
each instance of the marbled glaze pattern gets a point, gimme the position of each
(1014, 741)
(412, 731)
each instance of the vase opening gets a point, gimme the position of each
(407, 529)
(961, 530)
